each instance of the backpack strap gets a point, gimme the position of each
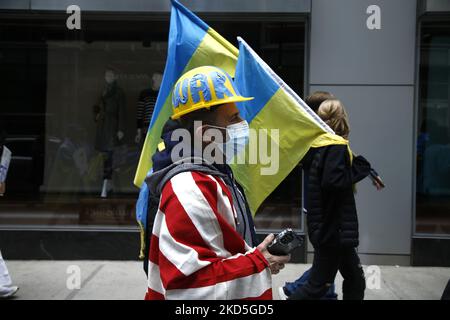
(153, 202)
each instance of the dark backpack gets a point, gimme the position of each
(153, 206)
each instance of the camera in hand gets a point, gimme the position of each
(284, 243)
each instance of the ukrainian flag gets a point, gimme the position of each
(275, 106)
(192, 43)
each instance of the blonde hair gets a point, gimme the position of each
(332, 111)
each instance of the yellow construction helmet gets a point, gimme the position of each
(203, 87)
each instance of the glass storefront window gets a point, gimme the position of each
(58, 112)
(433, 137)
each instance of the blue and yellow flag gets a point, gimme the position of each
(192, 43)
(290, 124)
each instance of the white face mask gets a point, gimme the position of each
(238, 136)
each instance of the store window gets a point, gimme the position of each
(72, 103)
(433, 137)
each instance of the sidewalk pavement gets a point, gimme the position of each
(126, 280)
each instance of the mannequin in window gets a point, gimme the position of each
(146, 105)
(109, 115)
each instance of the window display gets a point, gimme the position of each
(76, 108)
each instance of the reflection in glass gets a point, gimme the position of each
(433, 139)
(75, 106)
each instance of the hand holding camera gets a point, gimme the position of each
(277, 249)
(284, 243)
(276, 263)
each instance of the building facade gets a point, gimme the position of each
(388, 61)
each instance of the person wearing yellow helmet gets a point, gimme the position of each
(203, 243)
(202, 88)
(203, 102)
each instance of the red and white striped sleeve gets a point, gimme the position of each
(196, 252)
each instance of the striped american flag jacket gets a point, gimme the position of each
(195, 250)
